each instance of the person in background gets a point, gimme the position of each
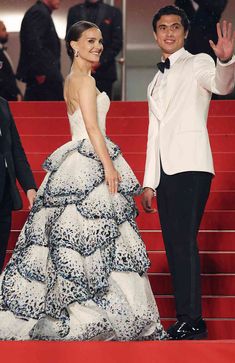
(109, 20)
(8, 86)
(13, 165)
(203, 16)
(179, 164)
(39, 64)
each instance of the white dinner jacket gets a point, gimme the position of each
(178, 131)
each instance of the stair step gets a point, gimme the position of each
(211, 262)
(127, 143)
(206, 351)
(212, 307)
(128, 125)
(117, 108)
(212, 220)
(222, 161)
(207, 240)
(212, 284)
(223, 181)
(218, 200)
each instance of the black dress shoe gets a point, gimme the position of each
(186, 331)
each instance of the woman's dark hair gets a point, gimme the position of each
(171, 10)
(75, 32)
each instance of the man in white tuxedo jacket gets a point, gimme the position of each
(179, 164)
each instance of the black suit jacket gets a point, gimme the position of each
(40, 45)
(12, 152)
(8, 86)
(203, 24)
(109, 20)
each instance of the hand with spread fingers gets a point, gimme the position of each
(112, 179)
(224, 49)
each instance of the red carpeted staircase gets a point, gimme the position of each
(44, 126)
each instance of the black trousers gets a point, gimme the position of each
(48, 91)
(5, 221)
(181, 200)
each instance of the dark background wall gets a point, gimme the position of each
(142, 53)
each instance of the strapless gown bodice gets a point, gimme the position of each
(77, 124)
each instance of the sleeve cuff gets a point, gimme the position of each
(232, 60)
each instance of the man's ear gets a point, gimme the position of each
(186, 35)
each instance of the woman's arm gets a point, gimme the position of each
(86, 94)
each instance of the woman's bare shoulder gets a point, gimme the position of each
(79, 81)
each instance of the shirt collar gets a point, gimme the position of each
(175, 56)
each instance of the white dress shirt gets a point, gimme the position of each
(162, 78)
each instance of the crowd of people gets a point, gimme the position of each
(39, 63)
(40, 50)
(79, 268)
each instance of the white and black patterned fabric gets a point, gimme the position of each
(78, 271)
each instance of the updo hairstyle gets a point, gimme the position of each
(75, 32)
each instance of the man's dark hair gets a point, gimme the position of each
(171, 10)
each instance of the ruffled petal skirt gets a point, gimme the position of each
(78, 271)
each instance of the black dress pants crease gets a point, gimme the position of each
(5, 220)
(181, 200)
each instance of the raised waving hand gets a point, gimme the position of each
(224, 49)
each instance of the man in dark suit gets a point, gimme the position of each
(203, 16)
(13, 165)
(109, 20)
(8, 86)
(39, 64)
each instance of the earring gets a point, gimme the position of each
(76, 53)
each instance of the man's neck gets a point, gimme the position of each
(48, 5)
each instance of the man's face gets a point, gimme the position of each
(170, 34)
(53, 4)
(3, 33)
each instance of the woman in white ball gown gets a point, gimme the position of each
(78, 271)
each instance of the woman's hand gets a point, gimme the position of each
(112, 179)
(31, 195)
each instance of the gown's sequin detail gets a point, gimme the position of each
(78, 271)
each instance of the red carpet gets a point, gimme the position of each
(43, 127)
(110, 352)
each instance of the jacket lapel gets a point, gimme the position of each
(171, 84)
(152, 103)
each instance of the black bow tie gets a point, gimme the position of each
(164, 65)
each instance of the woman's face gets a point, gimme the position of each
(90, 45)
